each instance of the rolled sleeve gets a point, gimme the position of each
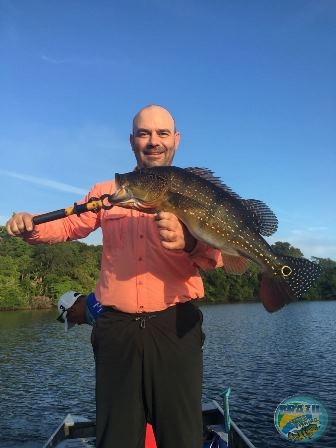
(206, 257)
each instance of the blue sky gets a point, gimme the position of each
(251, 84)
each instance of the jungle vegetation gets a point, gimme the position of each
(34, 276)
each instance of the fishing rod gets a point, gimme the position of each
(93, 205)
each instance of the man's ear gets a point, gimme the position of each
(177, 139)
(131, 139)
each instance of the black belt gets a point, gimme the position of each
(144, 316)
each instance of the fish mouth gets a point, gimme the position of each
(124, 199)
(121, 196)
(124, 196)
(136, 204)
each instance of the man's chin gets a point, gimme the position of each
(151, 162)
(154, 163)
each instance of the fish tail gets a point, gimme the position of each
(296, 276)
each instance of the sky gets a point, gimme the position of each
(251, 85)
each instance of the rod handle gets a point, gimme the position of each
(51, 216)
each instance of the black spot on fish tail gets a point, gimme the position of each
(296, 276)
(299, 273)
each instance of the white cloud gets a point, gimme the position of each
(118, 60)
(317, 241)
(62, 153)
(45, 182)
(52, 60)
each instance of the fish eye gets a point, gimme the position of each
(286, 271)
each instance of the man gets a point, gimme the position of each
(76, 308)
(148, 341)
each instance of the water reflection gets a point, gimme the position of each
(44, 374)
(266, 358)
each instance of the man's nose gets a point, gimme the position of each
(154, 139)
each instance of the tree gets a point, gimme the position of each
(283, 248)
(325, 288)
(27, 272)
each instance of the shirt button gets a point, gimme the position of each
(141, 236)
(140, 258)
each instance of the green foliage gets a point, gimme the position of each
(12, 294)
(325, 288)
(43, 270)
(222, 287)
(28, 271)
(283, 248)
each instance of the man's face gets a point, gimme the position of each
(77, 313)
(154, 139)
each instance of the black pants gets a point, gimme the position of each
(149, 368)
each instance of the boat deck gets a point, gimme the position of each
(219, 431)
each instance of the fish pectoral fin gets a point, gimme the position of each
(274, 294)
(234, 264)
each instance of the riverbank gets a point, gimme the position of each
(46, 303)
(35, 303)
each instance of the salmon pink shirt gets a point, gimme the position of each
(137, 273)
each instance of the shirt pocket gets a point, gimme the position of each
(114, 230)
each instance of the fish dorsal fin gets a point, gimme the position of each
(208, 175)
(258, 213)
(263, 219)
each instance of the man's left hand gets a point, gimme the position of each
(173, 233)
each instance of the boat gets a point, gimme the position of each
(219, 430)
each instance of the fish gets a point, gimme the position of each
(304, 433)
(216, 215)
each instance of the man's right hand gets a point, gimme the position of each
(19, 224)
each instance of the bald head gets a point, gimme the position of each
(154, 139)
(154, 110)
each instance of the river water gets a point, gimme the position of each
(264, 358)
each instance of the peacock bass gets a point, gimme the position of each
(216, 215)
